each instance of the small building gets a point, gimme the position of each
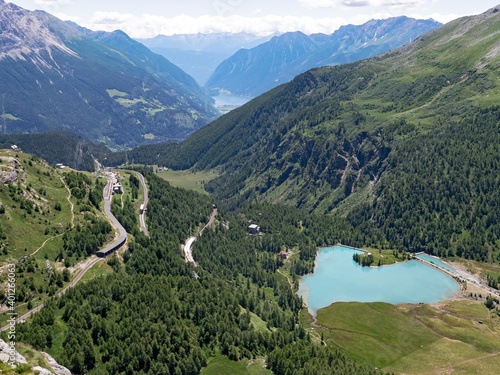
(15, 148)
(117, 188)
(60, 165)
(284, 254)
(141, 210)
(253, 229)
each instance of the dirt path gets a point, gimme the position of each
(88, 264)
(289, 281)
(44, 242)
(71, 203)
(451, 368)
(72, 218)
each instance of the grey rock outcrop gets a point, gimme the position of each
(58, 369)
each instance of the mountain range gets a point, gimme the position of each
(199, 54)
(251, 72)
(104, 86)
(403, 144)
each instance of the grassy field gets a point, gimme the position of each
(38, 186)
(37, 210)
(460, 336)
(221, 365)
(188, 179)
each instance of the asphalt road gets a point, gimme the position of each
(121, 238)
(142, 220)
(188, 253)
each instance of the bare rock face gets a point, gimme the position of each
(5, 354)
(24, 36)
(10, 175)
(42, 371)
(58, 369)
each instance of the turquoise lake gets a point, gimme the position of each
(232, 100)
(436, 262)
(337, 278)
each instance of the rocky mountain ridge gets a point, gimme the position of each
(251, 72)
(105, 86)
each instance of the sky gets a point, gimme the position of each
(148, 18)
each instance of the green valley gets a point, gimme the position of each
(396, 154)
(402, 144)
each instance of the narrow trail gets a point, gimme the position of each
(451, 367)
(72, 218)
(71, 203)
(89, 265)
(289, 281)
(45, 242)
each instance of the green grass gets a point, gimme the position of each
(36, 231)
(26, 232)
(33, 357)
(189, 179)
(221, 365)
(373, 332)
(9, 116)
(414, 339)
(258, 323)
(112, 93)
(98, 270)
(386, 257)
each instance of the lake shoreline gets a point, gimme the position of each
(350, 288)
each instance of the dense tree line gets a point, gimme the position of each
(154, 316)
(305, 358)
(86, 238)
(440, 193)
(127, 216)
(58, 146)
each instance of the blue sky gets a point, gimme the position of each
(148, 18)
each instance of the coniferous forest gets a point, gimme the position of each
(153, 316)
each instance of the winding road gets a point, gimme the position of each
(188, 253)
(142, 214)
(117, 243)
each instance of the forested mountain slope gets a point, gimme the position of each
(404, 144)
(114, 90)
(58, 146)
(251, 72)
(154, 312)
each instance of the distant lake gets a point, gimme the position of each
(232, 100)
(337, 277)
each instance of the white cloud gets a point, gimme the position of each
(317, 4)
(67, 17)
(52, 2)
(443, 18)
(147, 25)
